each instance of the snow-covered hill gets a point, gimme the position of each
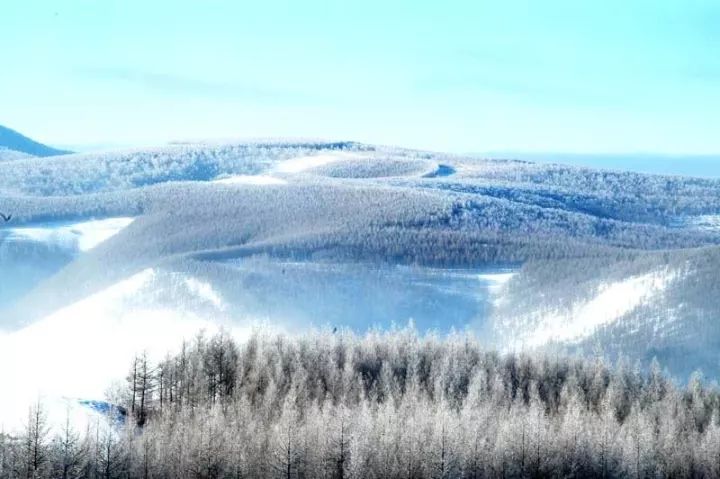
(110, 253)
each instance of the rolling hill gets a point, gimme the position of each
(17, 145)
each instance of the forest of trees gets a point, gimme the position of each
(383, 405)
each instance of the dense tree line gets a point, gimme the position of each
(85, 173)
(384, 405)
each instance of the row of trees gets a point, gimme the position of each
(41, 451)
(384, 405)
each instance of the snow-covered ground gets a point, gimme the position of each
(299, 294)
(80, 236)
(249, 180)
(496, 281)
(705, 222)
(303, 163)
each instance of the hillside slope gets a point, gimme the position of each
(14, 141)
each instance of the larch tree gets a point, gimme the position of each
(35, 442)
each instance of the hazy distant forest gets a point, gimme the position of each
(383, 405)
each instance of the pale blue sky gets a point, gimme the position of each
(575, 76)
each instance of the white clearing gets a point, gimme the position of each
(705, 222)
(249, 180)
(302, 163)
(612, 302)
(496, 281)
(81, 236)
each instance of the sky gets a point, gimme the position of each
(461, 76)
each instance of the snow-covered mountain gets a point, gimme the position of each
(14, 145)
(110, 253)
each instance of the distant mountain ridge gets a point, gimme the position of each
(12, 140)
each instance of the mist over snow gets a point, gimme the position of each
(113, 253)
(91, 339)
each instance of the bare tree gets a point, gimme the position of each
(69, 453)
(36, 450)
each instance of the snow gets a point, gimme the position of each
(496, 281)
(80, 414)
(303, 163)
(301, 294)
(81, 236)
(611, 303)
(204, 290)
(250, 180)
(705, 222)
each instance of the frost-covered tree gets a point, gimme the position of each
(68, 451)
(35, 446)
(387, 404)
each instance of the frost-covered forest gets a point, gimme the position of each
(620, 261)
(382, 405)
(114, 252)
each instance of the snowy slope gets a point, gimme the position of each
(110, 253)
